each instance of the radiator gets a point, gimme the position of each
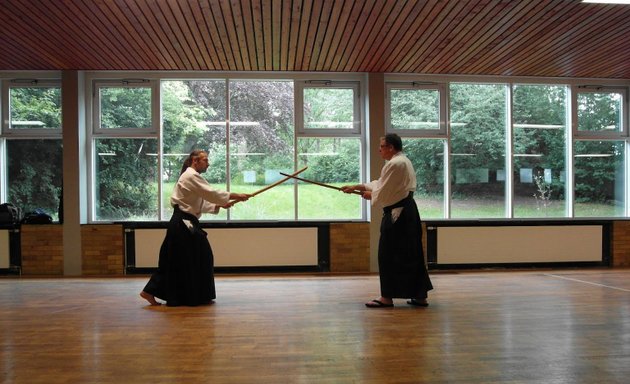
(519, 244)
(240, 247)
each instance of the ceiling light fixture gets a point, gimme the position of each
(627, 2)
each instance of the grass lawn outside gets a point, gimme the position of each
(320, 203)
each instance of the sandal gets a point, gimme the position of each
(417, 303)
(378, 304)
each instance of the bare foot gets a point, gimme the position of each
(149, 297)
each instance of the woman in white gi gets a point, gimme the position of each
(185, 274)
(402, 268)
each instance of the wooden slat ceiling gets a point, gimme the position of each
(550, 38)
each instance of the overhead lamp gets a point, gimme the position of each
(627, 2)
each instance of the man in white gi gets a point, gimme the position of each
(402, 268)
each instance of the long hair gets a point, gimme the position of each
(189, 160)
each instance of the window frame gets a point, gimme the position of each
(32, 133)
(599, 135)
(441, 88)
(152, 130)
(625, 174)
(8, 134)
(302, 131)
(568, 148)
(96, 133)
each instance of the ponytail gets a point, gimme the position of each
(189, 160)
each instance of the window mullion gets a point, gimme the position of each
(509, 151)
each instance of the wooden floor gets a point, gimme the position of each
(542, 326)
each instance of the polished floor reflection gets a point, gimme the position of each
(541, 326)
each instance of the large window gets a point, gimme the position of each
(261, 146)
(599, 153)
(193, 117)
(416, 111)
(126, 179)
(539, 155)
(333, 161)
(599, 178)
(427, 157)
(480, 150)
(125, 151)
(516, 150)
(248, 128)
(478, 136)
(31, 145)
(329, 143)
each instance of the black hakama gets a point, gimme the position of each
(402, 269)
(185, 274)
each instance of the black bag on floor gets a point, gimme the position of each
(10, 214)
(38, 216)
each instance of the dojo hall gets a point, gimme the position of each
(514, 115)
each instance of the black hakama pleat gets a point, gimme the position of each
(402, 267)
(185, 274)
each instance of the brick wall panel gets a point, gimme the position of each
(42, 249)
(102, 249)
(621, 244)
(350, 247)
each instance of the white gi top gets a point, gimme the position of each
(194, 195)
(397, 179)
